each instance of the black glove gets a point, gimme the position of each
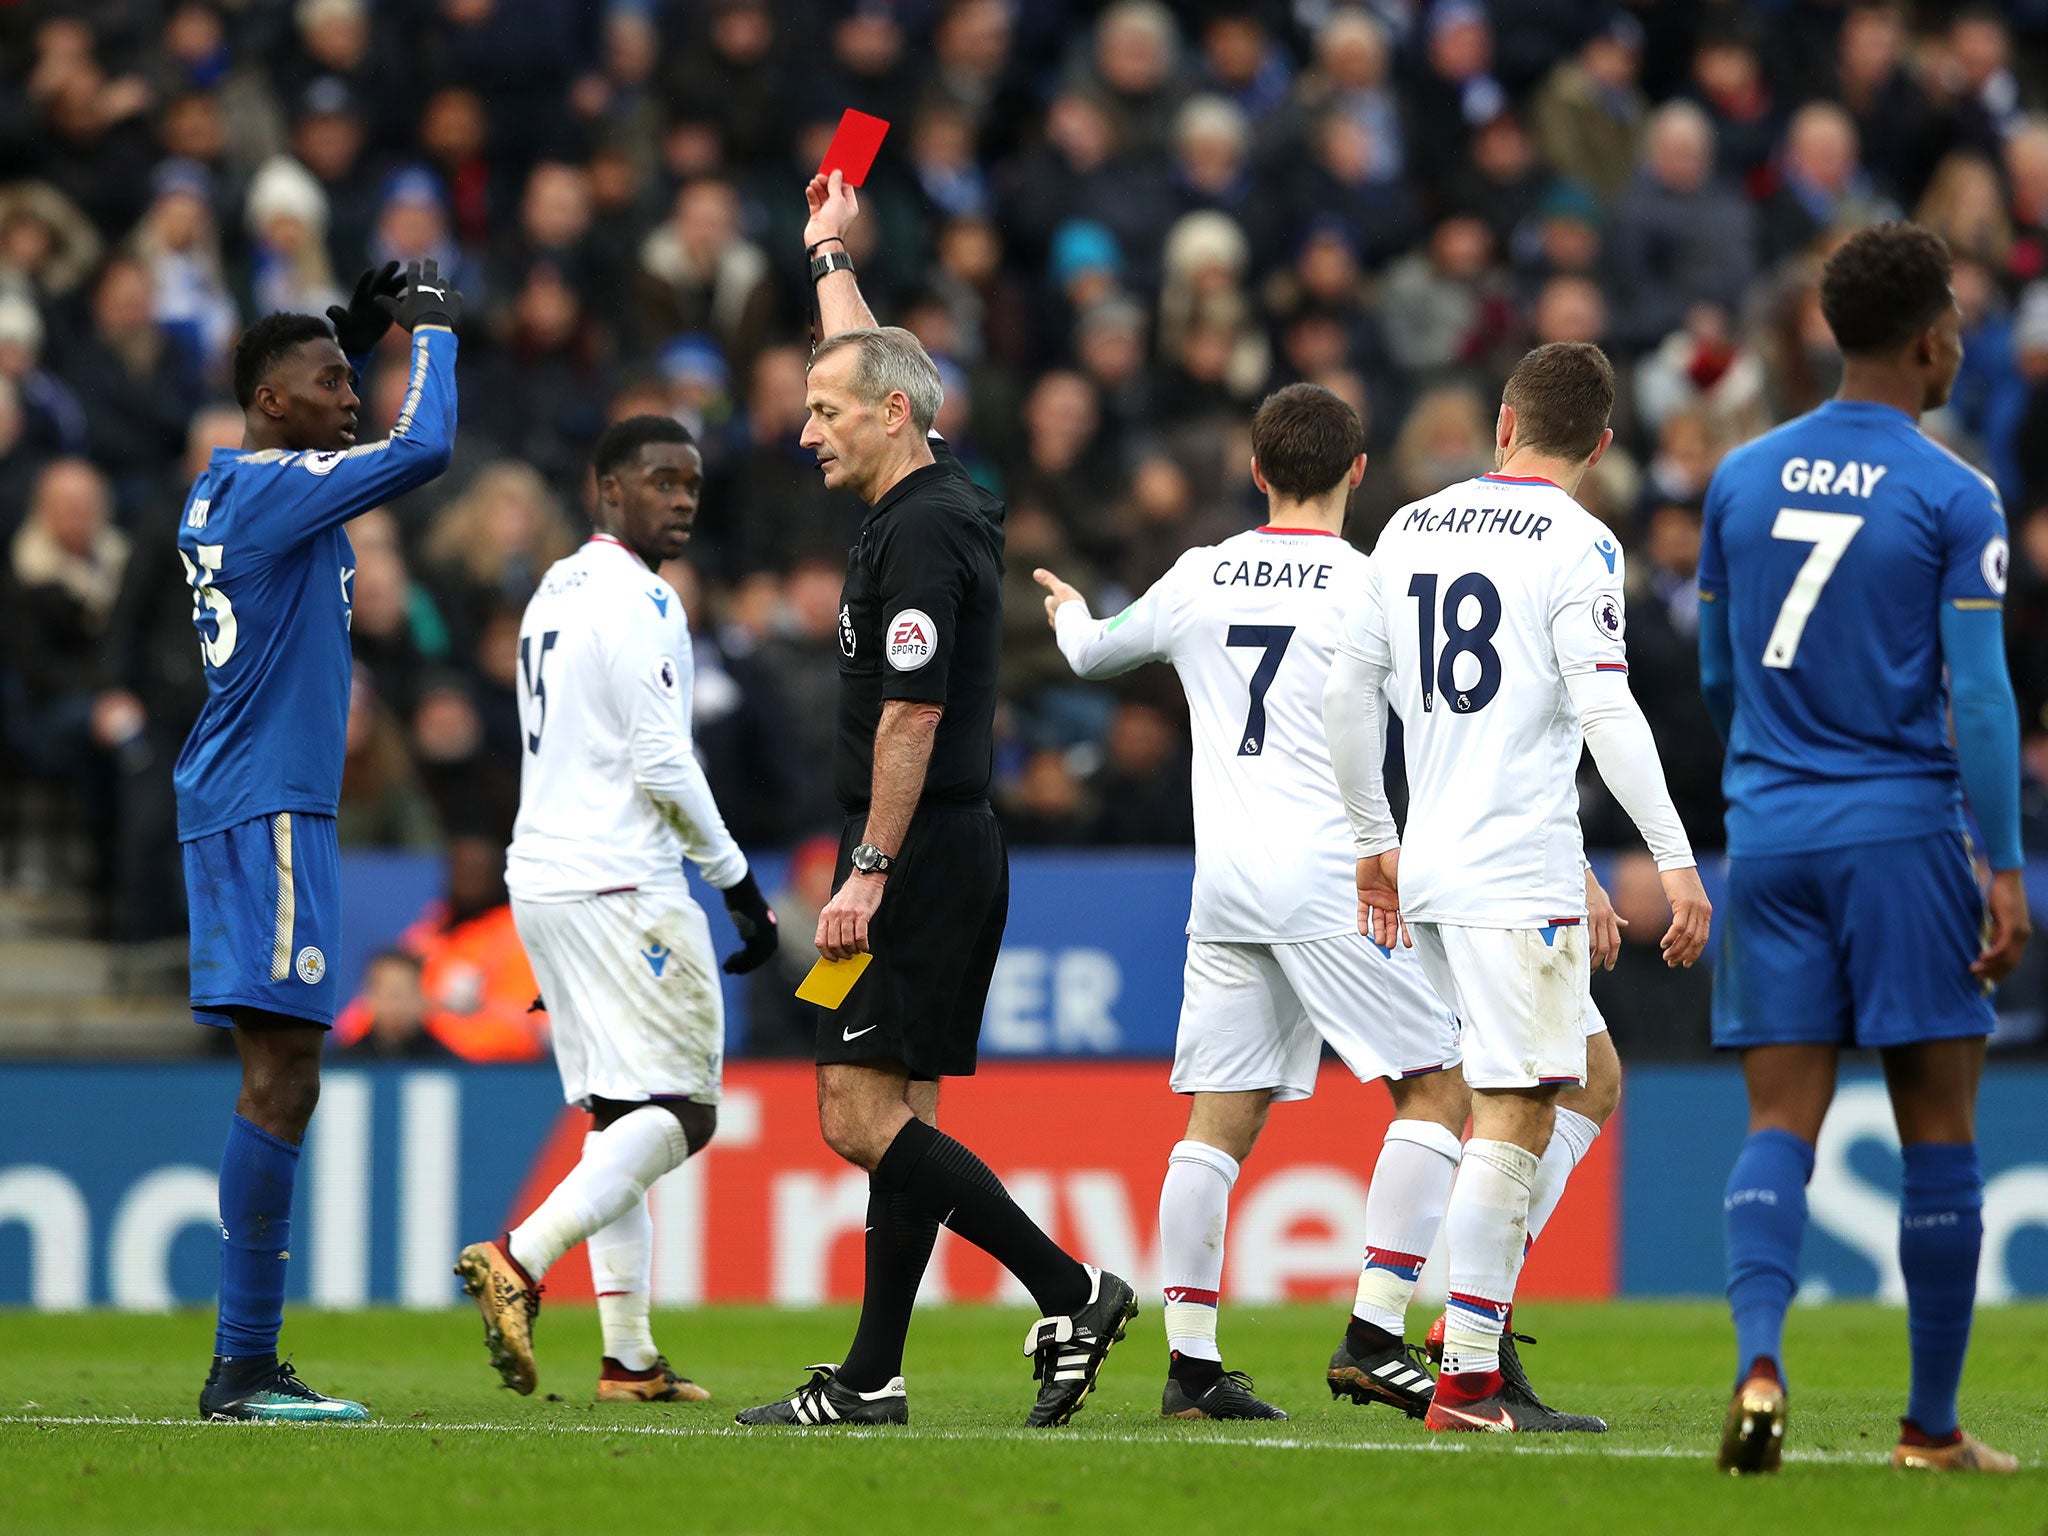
(755, 920)
(427, 299)
(363, 324)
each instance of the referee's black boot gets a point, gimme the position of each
(1067, 1352)
(822, 1403)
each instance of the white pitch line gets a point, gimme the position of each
(1432, 1447)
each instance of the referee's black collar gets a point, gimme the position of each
(924, 475)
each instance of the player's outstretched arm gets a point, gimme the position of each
(1988, 752)
(1626, 754)
(1094, 647)
(833, 208)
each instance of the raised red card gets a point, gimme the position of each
(854, 147)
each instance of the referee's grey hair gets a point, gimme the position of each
(890, 359)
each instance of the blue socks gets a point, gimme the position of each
(257, 1172)
(1764, 1216)
(1941, 1229)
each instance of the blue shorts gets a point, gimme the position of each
(1867, 946)
(265, 898)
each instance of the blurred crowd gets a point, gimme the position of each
(1115, 226)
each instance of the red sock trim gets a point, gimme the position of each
(505, 1247)
(1912, 1434)
(1764, 1365)
(1467, 1387)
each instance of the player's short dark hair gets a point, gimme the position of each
(1306, 439)
(1885, 285)
(620, 442)
(267, 343)
(1562, 395)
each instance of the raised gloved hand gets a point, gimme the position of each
(755, 920)
(427, 299)
(363, 323)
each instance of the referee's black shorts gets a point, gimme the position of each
(935, 938)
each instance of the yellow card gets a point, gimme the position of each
(831, 980)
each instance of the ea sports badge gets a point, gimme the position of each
(312, 966)
(912, 640)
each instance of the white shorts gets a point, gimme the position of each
(1256, 1016)
(631, 987)
(1596, 1022)
(1521, 994)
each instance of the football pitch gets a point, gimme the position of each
(97, 1434)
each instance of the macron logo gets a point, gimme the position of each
(660, 601)
(656, 956)
(1606, 549)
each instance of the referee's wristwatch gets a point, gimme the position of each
(867, 859)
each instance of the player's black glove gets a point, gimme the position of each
(427, 299)
(362, 325)
(755, 920)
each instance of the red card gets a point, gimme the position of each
(854, 147)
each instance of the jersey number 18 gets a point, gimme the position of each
(1440, 672)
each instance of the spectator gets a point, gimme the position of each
(387, 1020)
(1457, 93)
(382, 805)
(1664, 666)
(1066, 468)
(394, 628)
(474, 978)
(1989, 397)
(777, 1024)
(698, 273)
(1135, 64)
(180, 246)
(731, 72)
(471, 788)
(801, 658)
(1445, 439)
(1589, 112)
(1821, 187)
(454, 132)
(1216, 356)
(970, 58)
(1679, 238)
(289, 264)
(1893, 118)
(1500, 184)
(1706, 369)
(1728, 81)
(1656, 1012)
(490, 546)
(63, 575)
(1965, 205)
(48, 247)
(942, 159)
(774, 470)
(1447, 306)
(1047, 806)
(328, 136)
(2026, 173)
(1212, 168)
(1343, 178)
(412, 225)
(1141, 792)
(87, 126)
(1242, 64)
(133, 392)
(1985, 101)
(1352, 80)
(20, 460)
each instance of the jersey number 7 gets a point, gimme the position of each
(1272, 639)
(1829, 533)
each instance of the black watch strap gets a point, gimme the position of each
(830, 262)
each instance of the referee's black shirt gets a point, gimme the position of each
(921, 618)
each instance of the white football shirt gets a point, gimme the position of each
(1250, 625)
(611, 794)
(1478, 603)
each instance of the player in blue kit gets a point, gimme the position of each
(1852, 578)
(270, 570)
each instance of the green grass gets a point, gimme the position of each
(449, 1451)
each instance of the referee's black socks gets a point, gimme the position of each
(942, 1178)
(900, 1235)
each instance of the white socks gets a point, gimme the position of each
(1486, 1229)
(618, 1165)
(622, 1274)
(1194, 1209)
(1411, 1184)
(1569, 1144)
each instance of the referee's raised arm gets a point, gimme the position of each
(833, 209)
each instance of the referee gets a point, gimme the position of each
(923, 881)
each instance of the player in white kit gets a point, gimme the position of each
(611, 801)
(1492, 621)
(1276, 964)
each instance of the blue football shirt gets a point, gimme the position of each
(1835, 541)
(271, 573)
